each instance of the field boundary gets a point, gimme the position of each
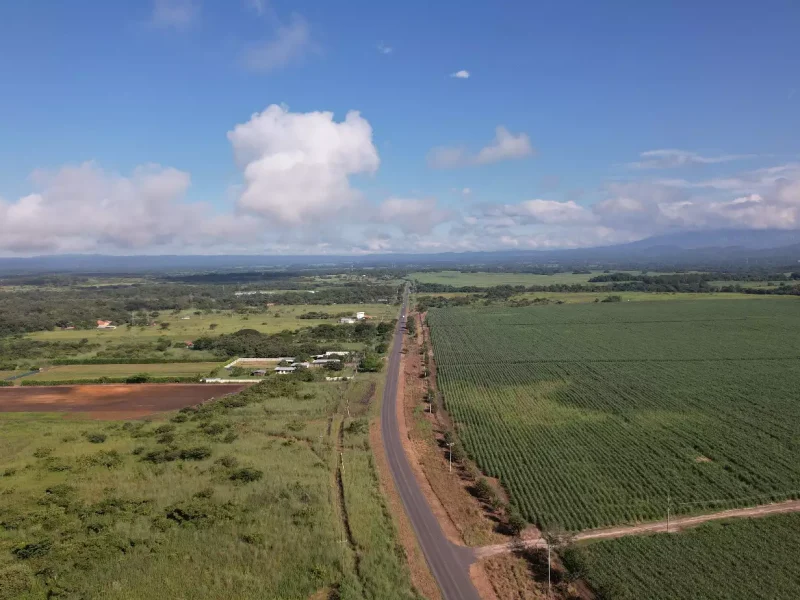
(666, 526)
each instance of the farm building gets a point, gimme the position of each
(302, 365)
(318, 362)
(361, 315)
(285, 370)
(347, 320)
(105, 324)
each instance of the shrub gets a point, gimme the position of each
(246, 475)
(515, 523)
(166, 428)
(357, 426)
(204, 493)
(161, 456)
(110, 459)
(295, 425)
(166, 438)
(196, 453)
(137, 450)
(212, 428)
(179, 418)
(32, 550)
(96, 438)
(43, 452)
(230, 437)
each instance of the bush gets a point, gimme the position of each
(515, 523)
(32, 550)
(43, 452)
(196, 453)
(246, 475)
(230, 437)
(166, 438)
(179, 418)
(137, 450)
(161, 456)
(612, 299)
(212, 428)
(357, 426)
(166, 428)
(96, 438)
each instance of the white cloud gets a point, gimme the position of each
(290, 44)
(411, 215)
(549, 212)
(504, 146)
(384, 49)
(460, 74)
(297, 165)
(671, 158)
(177, 14)
(466, 191)
(84, 208)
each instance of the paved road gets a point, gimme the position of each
(449, 563)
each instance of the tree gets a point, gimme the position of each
(515, 522)
(371, 363)
(164, 325)
(335, 365)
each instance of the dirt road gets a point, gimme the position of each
(653, 527)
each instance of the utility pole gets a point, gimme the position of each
(668, 507)
(450, 445)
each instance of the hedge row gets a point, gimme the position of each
(4, 383)
(127, 361)
(130, 380)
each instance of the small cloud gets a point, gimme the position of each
(175, 14)
(460, 74)
(384, 49)
(466, 192)
(259, 6)
(670, 158)
(290, 43)
(504, 146)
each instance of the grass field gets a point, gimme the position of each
(747, 558)
(457, 278)
(96, 371)
(595, 414)
(277, 318)
(588, 297)
(235, 500)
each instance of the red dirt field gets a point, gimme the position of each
(111, 401)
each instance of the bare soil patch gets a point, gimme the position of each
(107, 402)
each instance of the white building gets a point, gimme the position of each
(285, 370)
(361, 315)
(347, 320)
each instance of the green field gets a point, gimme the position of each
(457, 278)
(96, 371)
(277, 318)
(235, 500)
(595, 414)
(746, 558)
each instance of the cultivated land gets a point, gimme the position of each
(273, 320)
(604, 414)
(243, 497)
(729, 560)
(480, 279)
(110, 401)
(65, 372)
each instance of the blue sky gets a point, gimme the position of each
(117, 120)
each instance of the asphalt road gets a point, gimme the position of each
(448, 562)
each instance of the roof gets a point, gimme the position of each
(285, 368)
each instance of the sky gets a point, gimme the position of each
(313, 127)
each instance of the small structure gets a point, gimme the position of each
(331, 353)
(347, 320)
(302, 365)
(318, 362)
(105, 324)
(185, 318)
(361, 315)
(285, 370)
(259, 372)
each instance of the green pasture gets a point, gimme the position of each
(272, 320)
(62, 372)
(235, 500)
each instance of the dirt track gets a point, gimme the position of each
(654, 527)
(110, 401)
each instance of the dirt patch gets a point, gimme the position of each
(703, 459)
(421, 577)
(109, 402)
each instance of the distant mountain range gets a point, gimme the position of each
(723, 247)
